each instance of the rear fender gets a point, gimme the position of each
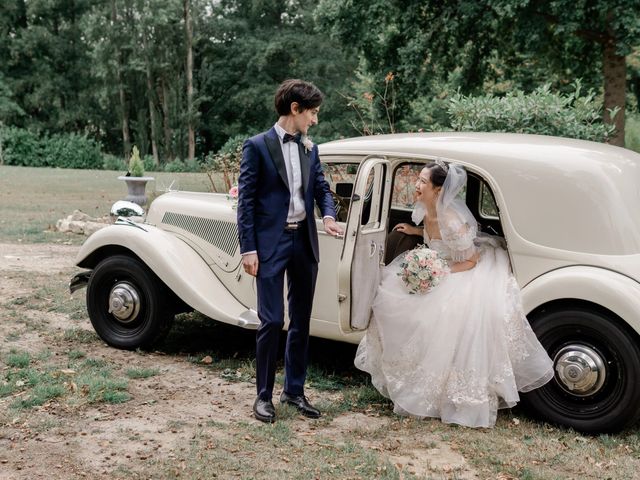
(175, 263)
(611, 290)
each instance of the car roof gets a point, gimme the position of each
(563, 193)
(481, 149)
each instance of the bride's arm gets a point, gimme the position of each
(460, 240)
(464, 265)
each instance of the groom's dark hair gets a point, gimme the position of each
(305, 94)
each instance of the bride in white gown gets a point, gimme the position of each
(465, 349)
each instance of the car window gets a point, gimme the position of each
(339, 173)
(404, 186)
(340, 177)
(488, 207)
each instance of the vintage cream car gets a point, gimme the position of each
(567, 209)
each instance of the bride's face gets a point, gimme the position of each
(426, 192)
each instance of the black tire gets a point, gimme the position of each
(131, 329)
(607, 407)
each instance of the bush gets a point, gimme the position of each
(113, 162)
(25, 148)
(540, 112)
(180, 166)
(20, 147)
(72, 151)
(149, 163)
(632, 132)
(136, 167)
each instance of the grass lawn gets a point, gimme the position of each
(32, 200)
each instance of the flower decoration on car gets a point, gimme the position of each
(422, 269)
(233, 196)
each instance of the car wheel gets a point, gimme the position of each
(127, 303)
(596, 363)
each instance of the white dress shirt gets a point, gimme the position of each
(291, 156)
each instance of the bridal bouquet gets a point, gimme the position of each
(422, 269)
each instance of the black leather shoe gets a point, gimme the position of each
(301, 403)
(264, 410)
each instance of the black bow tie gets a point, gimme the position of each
(291, 138)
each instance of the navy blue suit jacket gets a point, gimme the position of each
(263, 198)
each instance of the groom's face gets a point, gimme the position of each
(303, 119)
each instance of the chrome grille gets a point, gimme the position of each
(223, 235)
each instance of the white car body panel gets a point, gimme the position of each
(173, 261)
(612, 291)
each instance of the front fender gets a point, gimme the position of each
(175, 263)
(611, 290)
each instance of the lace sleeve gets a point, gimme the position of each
(459, 237)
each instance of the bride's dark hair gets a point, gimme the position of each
(437, 174)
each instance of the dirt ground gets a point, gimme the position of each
(58, 440)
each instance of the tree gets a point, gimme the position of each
(590, 34)
(44, 55)
(435, 46)
(188, 29)
(248, 47)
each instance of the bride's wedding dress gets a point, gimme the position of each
(459, 352)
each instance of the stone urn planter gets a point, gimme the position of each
(136, 188)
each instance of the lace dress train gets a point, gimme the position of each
(459, 352)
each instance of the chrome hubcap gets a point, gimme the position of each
(580, 370)
(124, 302)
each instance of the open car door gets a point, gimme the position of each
(365, 236)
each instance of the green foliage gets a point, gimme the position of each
(148, 163)
(136, 86)
(255, 46)
(70, 150)
(101, 387)
(136, 167)
(225, 161)
(435, 48)
(374, 110)
(183, 166)
(632, 132)
(113, 162)
(542, 112)
(18, 359)
(21, 147)
(24, 148)
(142, 372)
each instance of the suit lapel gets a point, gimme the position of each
(304, 165)
(273, 145)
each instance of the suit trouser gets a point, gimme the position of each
(293, 256)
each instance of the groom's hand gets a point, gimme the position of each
(331, 227)
(250, 263)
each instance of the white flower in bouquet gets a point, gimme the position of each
(422, 269)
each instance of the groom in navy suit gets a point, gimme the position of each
(280, 179)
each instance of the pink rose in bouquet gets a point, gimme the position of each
(422, 269)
